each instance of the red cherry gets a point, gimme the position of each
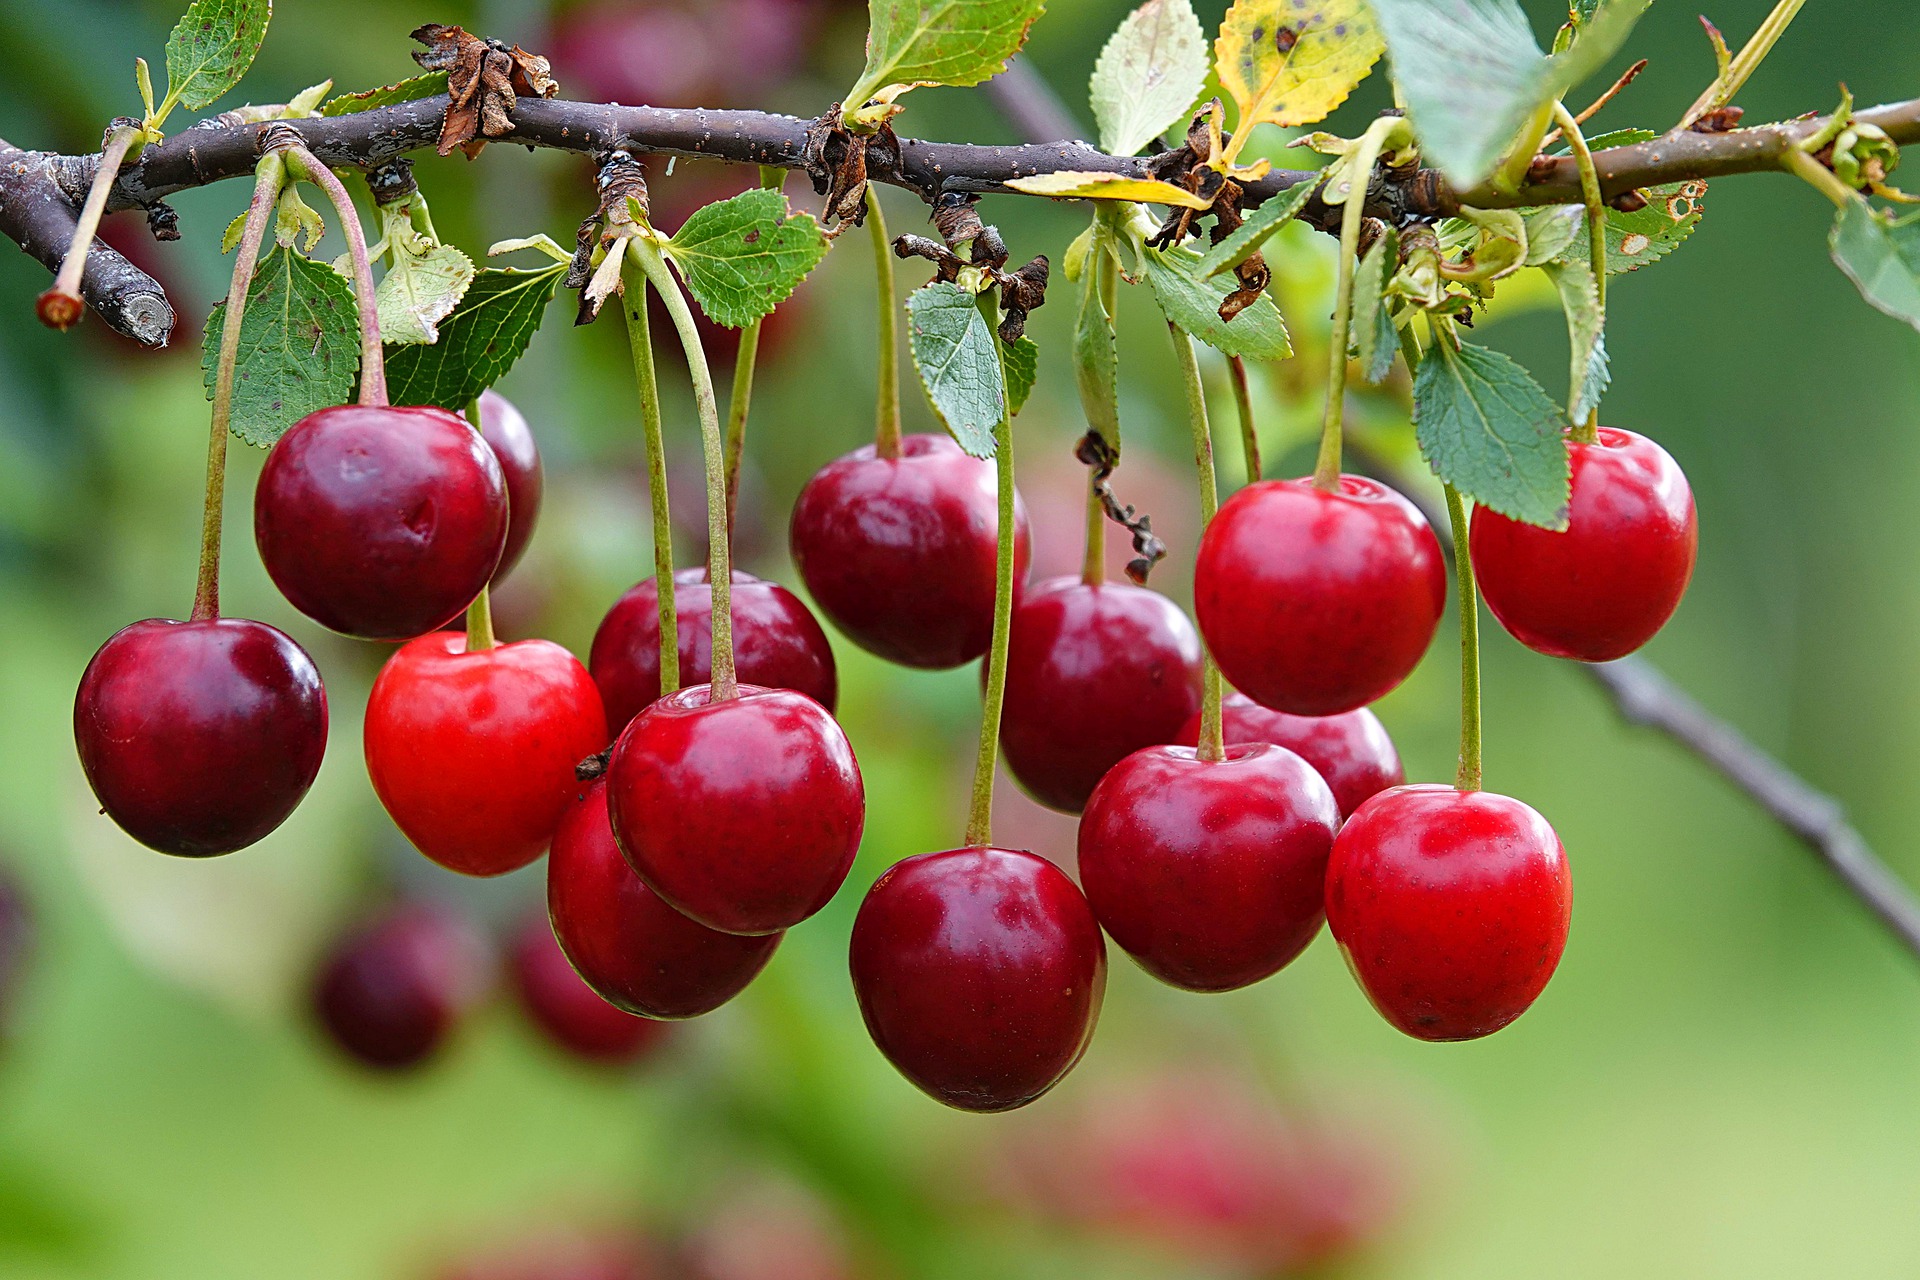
(381, 523)
(1352, 751)
(900, 553)
(777, 643)
(1318, 603)
(200, 737)
(1094, 673)
(567, 1009)
(979, 973)
(1211, 874)
(390, 992)
(743, 814)
(637, 952)
(473, 753)
(1603, 587)
(1451, 907)
(506, 432)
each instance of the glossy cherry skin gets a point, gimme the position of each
(200, 737)
(637, 952)
(1451, 907)
(979, 973)
(1603, 587)
(777, 643)
(1318, 603)
(506, 432)
(899, 553)
(381, 523)
(473, 753)
(1094, 673)
(567, 1009)
(1211, 874)
(743, 814)
(389, 993)
(1352, 750)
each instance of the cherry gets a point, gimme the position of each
(1094, 673)
(1314, 602)
(777, 643)
(1603, 587)
(391, 991)
(1351, 751)
(381, 523)
(1451, 907)
(1211, 874)
(979, 973)
(637, 952)
(745, 813)
(899, 553)
(200, 737)
(567, 1009)
(506, 432)
(473, 753)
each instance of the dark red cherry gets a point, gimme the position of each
(390, 992)
(636, 951)
(1451, 907)
(567, 1009)
(899, 553)
(506, 432)
(1094, 673)
(473, 753)
(1318, 603)
(979, 973)
(743, 814)
(777, 644)
(200, 737)
(1352, 750)
(1603, 587)
(1211, 874)
(381, 523)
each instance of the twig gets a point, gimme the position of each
(1627, 77)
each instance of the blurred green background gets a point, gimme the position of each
(1723, 1080)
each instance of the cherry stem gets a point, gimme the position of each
(640, 342)
(1326, 469)
(1212, 746)
(886, 431)
(1588, 431)
(60, 305)
(740, 394)
(480, 612)
(719, 554)
(980, 812)
(266, 190)
(373, 365)
(1821, 178)
(1469, 776)
(1093, 569)
(1243, 401)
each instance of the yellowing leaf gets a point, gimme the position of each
(1107, 186)
(1291, 62)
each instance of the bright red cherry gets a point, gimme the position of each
(1352, 751)
(637, 952)
(979, 973)
(1211, 874)
(390, 992)
(899, 553)
(506, 432)
(777, 643)
(200, 737)
(381, 523)
(1451, 906)
(473, 753)
(1603, 587)
(1314, 602)
(567, 1009)
(1094, 673)
(744, 814)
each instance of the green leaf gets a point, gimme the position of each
(954, 349)
(1881, 257)
(1586, 337)
(426, 86)
(742, 256)
(1636, 239)
(1582, 11)
(1149, 75)
(1485, 426)
(212, 46)
(1471, 75)
(299, 346)
(1096, 362)
(1023, 370)
(1291, 62)
(953, 42)
(1192, 301)
(420, 290)
(1257, 229)
(1551, 231)
(479, 341)
(1374, 338)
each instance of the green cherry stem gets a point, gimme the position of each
(740, 394)
(373, 366)
(1469, 776)
(1243, 401)
(60, 306)
(1821, 178)
(886, 431)
(1588, 431)
(1744, 63)
(1326, 469)
(1211, 746)
(640, 344)
(1093, 567)
(480, 612)
(980, 811)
